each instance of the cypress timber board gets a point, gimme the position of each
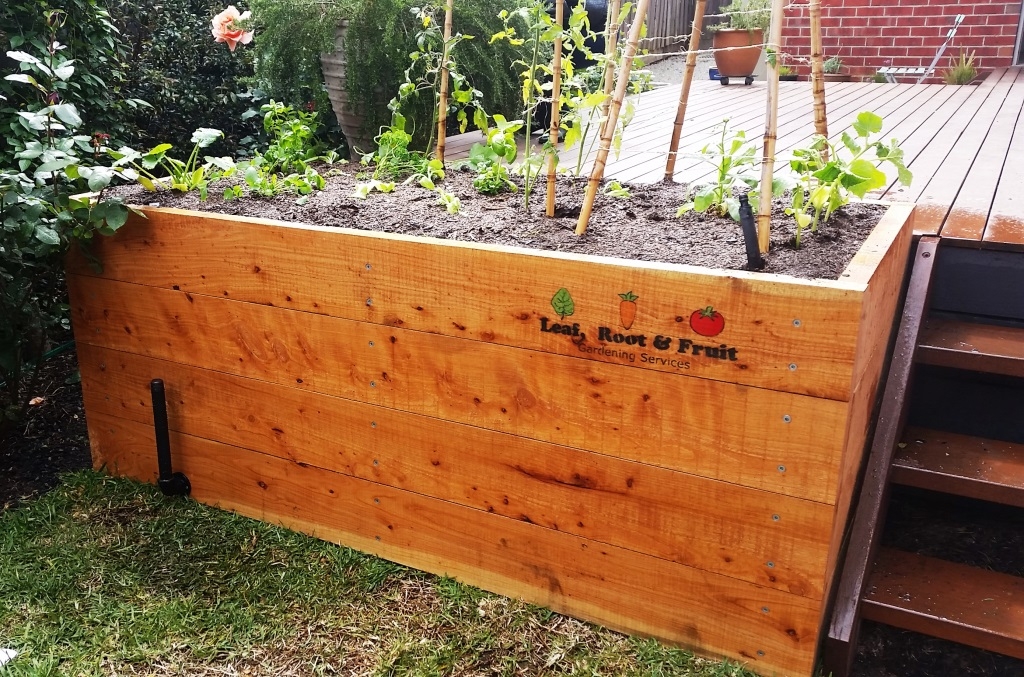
(742, 470)
(618, 588)
(710, 525)
(707, 428)
(483, 293)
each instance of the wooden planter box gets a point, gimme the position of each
(422, 400)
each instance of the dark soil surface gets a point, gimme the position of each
(53, 440)
(643, 226)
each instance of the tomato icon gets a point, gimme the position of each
(707, 322)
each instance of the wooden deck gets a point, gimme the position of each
(965, 145)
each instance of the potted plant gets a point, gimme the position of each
(962, 71)
(832, 69)
(739, 40)
(787, 74)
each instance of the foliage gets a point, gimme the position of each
(191, 81)
(423, 81)
(962, 72)
(617, 190)
(827, 176)
(382, 34)
(290, 36)
(832, 65)
(538, 36)
(184, 176)
(491, 160)
(43, 210)
(293, 138)
(263, 181)
(745, 15)
(735, 162)
(99, 54)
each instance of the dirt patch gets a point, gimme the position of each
(642, 227)
(53, 439)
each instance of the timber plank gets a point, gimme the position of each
(708, 525)
(879, 315)
(960, 603)
(970, 210)
(486, 294)
(989, 470)
(987, 348)
(1005, 225)
(770, 630)
(588, 405)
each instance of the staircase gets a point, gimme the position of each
(951, 422)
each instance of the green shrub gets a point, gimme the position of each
(174, 64)
(84, 27)
(40, 217)
(291, 34)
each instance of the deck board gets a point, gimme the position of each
(964, 144)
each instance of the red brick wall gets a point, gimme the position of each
(869, 34)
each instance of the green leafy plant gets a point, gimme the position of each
(735, 160)
(293, 138)
(616, 190)
(832, 65)
(44, 208)
(745, 15)
(448, 200)
(827, 176)
(423, 79)
(182, 176)
(363, 190)
(491, 160)
(541, 32)
(962, 72)
(382, 34)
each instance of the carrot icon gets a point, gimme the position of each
(627, 308)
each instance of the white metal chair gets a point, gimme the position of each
(891, 73)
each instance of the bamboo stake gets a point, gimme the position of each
(611, 43)
(817, 72)
(684, 95)
(556, 108)
(764, 209)
(608, 132)
(442, 113)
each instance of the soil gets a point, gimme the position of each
(53, 440)
(642, 227)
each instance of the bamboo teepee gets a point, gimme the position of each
(442, 112)
(556, 109)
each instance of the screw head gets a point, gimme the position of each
(373, 424)
(770, 565)
(369, 302)
(797, 323)
(787, 418)
(373, 384)
(782, 468)
(792, 366)
(368, 266)
(760, 652)
(775, 518)
(765, 609)
(376, 462)
(371, 344)
(376, 500)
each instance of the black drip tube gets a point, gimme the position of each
(170, 483)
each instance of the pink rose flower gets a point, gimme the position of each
(225, 31)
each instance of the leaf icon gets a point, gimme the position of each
(562, 303)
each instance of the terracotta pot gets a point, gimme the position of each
(741, 62)
(351, 115)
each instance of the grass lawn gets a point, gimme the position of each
(108, 577)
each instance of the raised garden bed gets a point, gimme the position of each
(500, 415)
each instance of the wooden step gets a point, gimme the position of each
(987, 348)
(959, 464)
(959, 603)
